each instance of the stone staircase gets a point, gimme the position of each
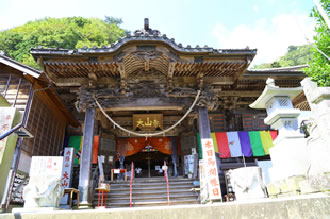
(150, 192)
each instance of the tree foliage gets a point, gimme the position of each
(319, 69)
(295, 55)
(67, 33)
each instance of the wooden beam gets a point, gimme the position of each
(140, 104)
(143, 108)
(218, 80)
(256, 75)
(242, 93)
(241, 71)
(70, 82)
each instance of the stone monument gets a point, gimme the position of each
(247, 183)
(44, 188)
(289, 154)
(318, 143)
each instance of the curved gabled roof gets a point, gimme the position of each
(147, 36)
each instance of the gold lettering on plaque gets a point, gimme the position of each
(148, 122)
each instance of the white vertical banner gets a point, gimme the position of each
(210, 169)
(67, 172)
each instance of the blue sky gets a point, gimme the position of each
(268, 25)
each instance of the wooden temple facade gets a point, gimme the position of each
(147, 73)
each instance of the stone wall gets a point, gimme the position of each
(316, 206)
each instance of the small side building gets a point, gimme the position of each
(44, 120)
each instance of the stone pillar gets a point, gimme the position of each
(85, 182)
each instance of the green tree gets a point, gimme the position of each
(295, 55)
(319, 68)
(67, 33)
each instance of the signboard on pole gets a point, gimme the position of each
(210, 169)
(67, 172)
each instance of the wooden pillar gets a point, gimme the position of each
(204, 122)
(85, 181)
(205, 132)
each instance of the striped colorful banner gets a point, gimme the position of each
(237, 144)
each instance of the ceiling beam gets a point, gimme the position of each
(143, 108)
(242, 93)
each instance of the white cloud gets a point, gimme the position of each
(270, 37)
(255, 8)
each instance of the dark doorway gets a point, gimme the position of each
(148, 163)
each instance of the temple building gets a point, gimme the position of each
(147, 99)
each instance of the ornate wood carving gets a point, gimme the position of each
(123, 78)
(146, 56)
(171, 69)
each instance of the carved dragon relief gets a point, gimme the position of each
(146, 56)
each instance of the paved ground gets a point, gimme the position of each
(312, 206)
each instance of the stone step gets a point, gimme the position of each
(118, 189)
(152, 183)
(150, 192)
(145, 192)
(151, 180)
(156, 202)
(149, 196)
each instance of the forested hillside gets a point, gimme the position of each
(68, 33)
(295, 55)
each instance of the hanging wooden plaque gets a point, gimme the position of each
(147, 122)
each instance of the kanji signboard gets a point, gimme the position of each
(67, 171)
(7, 115)
(147, 122)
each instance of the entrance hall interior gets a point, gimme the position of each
(149, 155)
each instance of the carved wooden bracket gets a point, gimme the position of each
(200, 80)
(92, 79)
(123, 78)
(171, 69)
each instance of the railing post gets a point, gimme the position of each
(166, 178)
(131, 185)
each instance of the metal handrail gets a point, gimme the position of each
(166, 178)
(131, 185)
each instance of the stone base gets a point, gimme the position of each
(286, 187)
(289, 158)
(320, 182)
(273, 190)
(34, 210)
(299, 185)
(86, 206)
(301, 207)
(306, 187)
(100, 207)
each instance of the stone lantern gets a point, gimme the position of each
(288, 156)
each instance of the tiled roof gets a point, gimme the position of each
(147, 35)
(19, 66)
